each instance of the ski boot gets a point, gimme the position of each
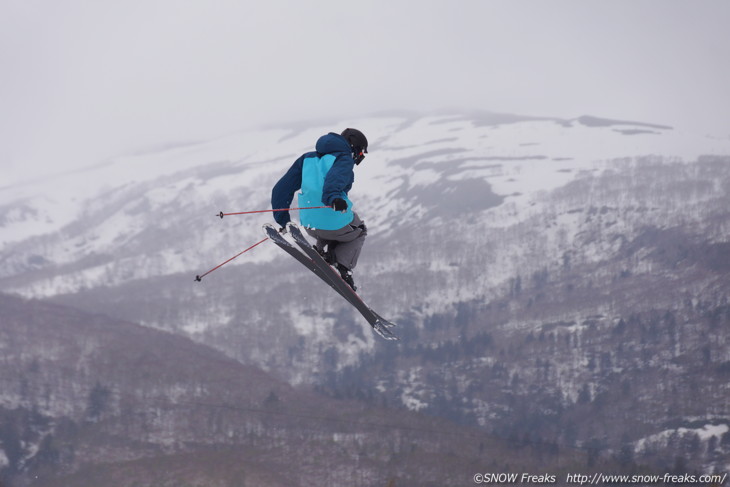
(346, 275)
(328, 255)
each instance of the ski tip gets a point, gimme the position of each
(296, 232)
(270, 230)
(293, 226)
(381, 329)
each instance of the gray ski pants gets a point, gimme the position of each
(347, 242)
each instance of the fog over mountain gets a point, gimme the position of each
(86, 81)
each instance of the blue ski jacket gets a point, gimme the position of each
(323, 176)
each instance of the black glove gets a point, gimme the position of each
(338, 204)
(282, 218)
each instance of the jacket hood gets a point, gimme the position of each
(332, 143)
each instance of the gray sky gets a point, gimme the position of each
(85, 80)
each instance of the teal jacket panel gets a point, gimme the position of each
(314, 174)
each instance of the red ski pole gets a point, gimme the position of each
(201, 276)
(221, 214)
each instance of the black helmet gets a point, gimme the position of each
(358, 143)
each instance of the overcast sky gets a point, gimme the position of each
(81, 81)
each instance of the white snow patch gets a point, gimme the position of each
(710, 430)
(704, 433)
(410, 391)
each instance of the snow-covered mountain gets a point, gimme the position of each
(424, 168)
(525, 259)
(151, 215)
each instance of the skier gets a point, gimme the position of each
(325, 177)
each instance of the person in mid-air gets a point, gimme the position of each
(325, 177)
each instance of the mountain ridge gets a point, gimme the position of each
(483, 233)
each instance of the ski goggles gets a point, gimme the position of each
(359, 156)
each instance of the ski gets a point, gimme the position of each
(379, 324)
(315, 263)
(285, 245)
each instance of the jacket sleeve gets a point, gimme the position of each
(283, 192)
(339, 178)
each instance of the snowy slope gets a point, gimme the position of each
(451, 204)
(413, 166)
(147, 216)
(481, 227)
